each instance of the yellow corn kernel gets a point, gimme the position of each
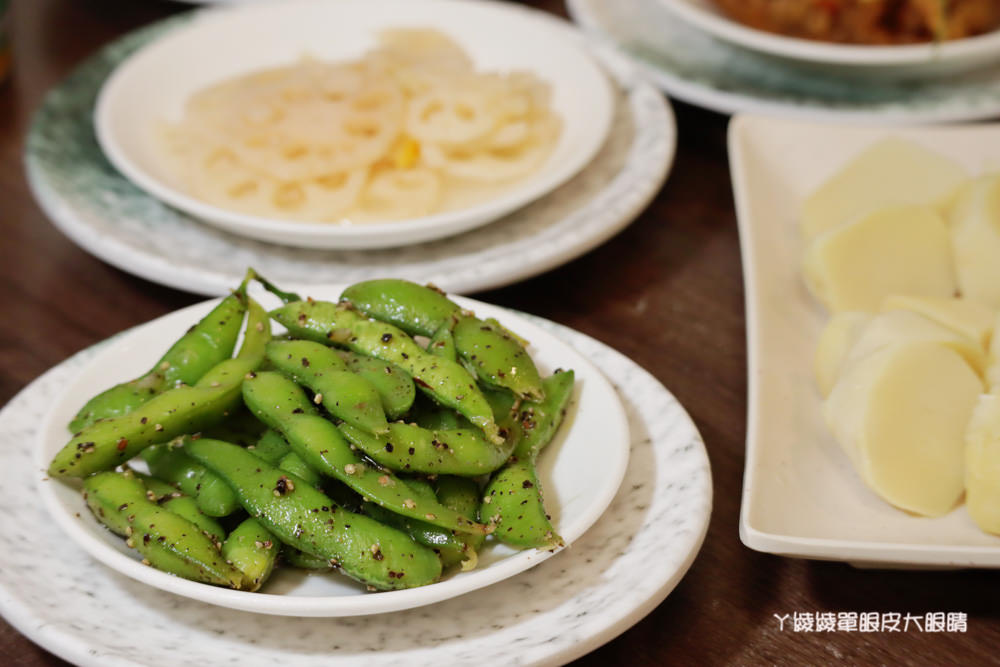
(406, 154)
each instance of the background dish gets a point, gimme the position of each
(108, 216)
(904, 60)
(694, 67)
(576, 490)
(623, 567)
(801, 496)
(259, 36)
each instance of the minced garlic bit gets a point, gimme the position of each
(283, 486)
(409, 504)
(317, 399)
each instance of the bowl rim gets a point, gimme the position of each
(859, 55)
(392, 233)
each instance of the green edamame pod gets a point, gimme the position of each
(283, 405)
(539, 421)
(169, 462)
(186, 507)
(304, 561)
(429, 415)
(447, 544)
(252, 550)
(512, 500)
(271, 447)
(293, 463)
(166, 540)
(497, 356)
(241, 428)
(346, 396)
(394, 385)
(459, 493)
(462, 495)
(156, 489)
(421, 488)
(183, 410)
(442, 344)
(308, 520)
(410, 448)
(445, 381)
(417, 310)
(206, 344)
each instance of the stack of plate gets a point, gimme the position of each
(100, 179)
(697, 54)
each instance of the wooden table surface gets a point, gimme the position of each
(667, 292)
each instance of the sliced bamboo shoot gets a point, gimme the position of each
(900, 414)
(892, 171)
(897, 250)
(835, 343)
(982, 464)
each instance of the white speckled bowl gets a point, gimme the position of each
(153, 85)
(580, 472)
(570, 604)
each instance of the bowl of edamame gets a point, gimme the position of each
(359, 451)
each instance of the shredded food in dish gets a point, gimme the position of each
(408, 130)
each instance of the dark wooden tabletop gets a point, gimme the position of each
(680, 259)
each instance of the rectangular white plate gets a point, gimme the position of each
(801, 496)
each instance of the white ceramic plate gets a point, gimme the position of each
(153, 85)
(695, 67)
(104, 213)
(801, 495)
(580, 471)
(569, 605)
(912, 59)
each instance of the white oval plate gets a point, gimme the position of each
(580, 472)
(692, 66)
(802, 497)
(920, 59)
(581, 598)
(153, 85)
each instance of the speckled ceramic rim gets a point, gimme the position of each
(640, 586)
(973, 49)
(612, 451)
(585, 126)
(692, 90)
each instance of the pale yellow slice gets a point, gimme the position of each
(982, 464)
(905, 326)
(892, 171)
(966, 316)
(900, 414)
(902, 250)
(835, 343)
(975, 232)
